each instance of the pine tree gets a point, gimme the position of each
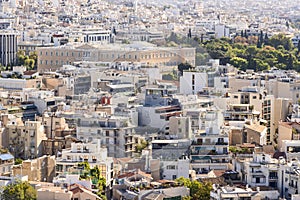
(190, 33)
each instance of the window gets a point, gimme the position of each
(174, 177)
(257, 180)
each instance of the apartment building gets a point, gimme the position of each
(116, 133)
(180, 127)
(92, 153)
(39, 169)
(209, 149)
(262, 170)
(25, 139)
(288, 131)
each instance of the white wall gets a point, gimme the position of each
(200, 81)
(181, 169)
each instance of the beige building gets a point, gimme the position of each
(31, 46)
(236, 84)
(288, 131)
(54, 125)
(256, 134)
(75, 191)
(53, 58)
(50, 193)
(25, 139)
(40, 169)
(267, 107)
(278, 89)
(236, 136)
(180, 127)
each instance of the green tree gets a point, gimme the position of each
(239, 63)
(260, 65)
(198, 190)
(281, 39)
(18, 161)
(19, 191)
(29, 63)
(250, 53)
(141, 146)
(184, 66)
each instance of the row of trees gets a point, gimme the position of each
(244, 52)
(277, 52)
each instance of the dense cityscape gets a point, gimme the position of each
(149, 100)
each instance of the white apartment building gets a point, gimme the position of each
(193, 82)
(261, 171)
(175, 169)
(92, 153)
(209, 149)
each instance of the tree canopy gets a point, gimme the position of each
(30, 61)
(244, 51)
(198, 190)
(184, 66)
(19, 191)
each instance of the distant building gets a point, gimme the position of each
(40, 169)
(8, 48)
(53, 58)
